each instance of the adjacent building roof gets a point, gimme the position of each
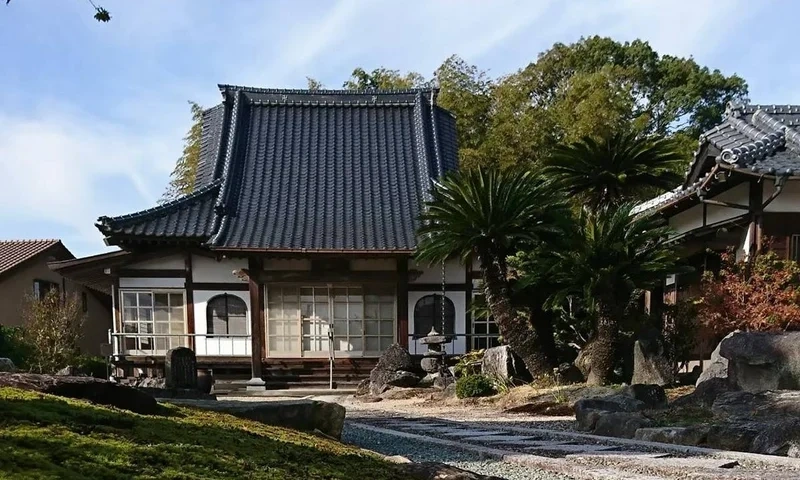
(753, 139)
(299, 170)
(15, 253)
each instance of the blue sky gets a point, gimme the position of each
(92, 115)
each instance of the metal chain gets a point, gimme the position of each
(444, 291)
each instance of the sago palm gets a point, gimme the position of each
(619, 168)
(613, 254)
(490, 213)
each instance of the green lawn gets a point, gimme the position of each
(47, 437)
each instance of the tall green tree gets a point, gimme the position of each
(597, 86)
(613, 254)
(615, 168)
(383, 79)
(184, 174)
(491, 213)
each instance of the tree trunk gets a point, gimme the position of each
(543, 324)
(604, 346)
(516, 330)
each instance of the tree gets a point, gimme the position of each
(761, 295)
(184, 174)
(466, 91)
(617, 168)
(383, 79)
(597, 86)
(314, 84)
(613, 255)
(53, 328)
(491, 213)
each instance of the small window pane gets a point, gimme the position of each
(129, 315)
(386, 342)
(306, 294)
(356, 311)
(340, 294)
(322, 310)
(162, 300)
(145, 300)
(373, 344)
(176, 299)
(145, 328)
(372, 311)
(162, 328)
(372, 327)
(130, 328)
(387, 310)
(145, 315)
(387, 328)
(356, 328)
(161, 314)
(356, 344)
(177, 328)
(275, 344)
(128, 299)
(340, 310)
(176, 313)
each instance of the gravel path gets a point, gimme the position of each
(425, 452)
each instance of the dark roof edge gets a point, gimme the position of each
(16, 266)
(394, 251)
(106, 224)
(227, 87)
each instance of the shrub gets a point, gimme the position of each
(14, 346)
(474, 386)
(469, 363)
(53, 327)
(92, 366)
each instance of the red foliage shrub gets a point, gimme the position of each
(762, 296)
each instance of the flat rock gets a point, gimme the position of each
(621, 424)
(776, 438)
(395, 367)
(650, 365)
(92, 389)
(761, 361)
(694, 435)
(719, 364)
(589, 410)
(705, 393)
(745, 405)
(733, 436)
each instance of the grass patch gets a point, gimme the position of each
(47, 437)
(681, 416)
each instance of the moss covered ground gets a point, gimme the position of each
(47, 437)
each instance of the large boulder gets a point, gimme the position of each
(719, 364)
(776, 438)
(395, 368)
(733, 436)
(621, 424)
(92, 389)
(502, 363)
(746, 405)
(706, 393)
(589, 410)
(694, 435)
(650, 364)
(653, 396)
(759, 361)
(6, 365)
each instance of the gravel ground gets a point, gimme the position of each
(425, 452)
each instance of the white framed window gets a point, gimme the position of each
(485, 333)
(227, 315)
(155, 320)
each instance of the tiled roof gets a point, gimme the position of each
(15, 252)
(189, 217)
(327, 170)
(761, 139)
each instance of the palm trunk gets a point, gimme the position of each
(517, 331)
(604, 348)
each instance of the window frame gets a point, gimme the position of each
(38, 283)
(444, 322)
(170, 341)
(209, 316)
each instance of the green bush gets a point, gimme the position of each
(14, 346)
(474, 386)
(469, 363)
(92, 366)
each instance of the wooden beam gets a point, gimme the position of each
(256, 319)
(305, 276)
(402, 301)
(190, 318)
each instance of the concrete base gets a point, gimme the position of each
(256, 385)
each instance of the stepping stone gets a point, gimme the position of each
(569, 448)
(499, 438)
(421, 426)
(620, 454)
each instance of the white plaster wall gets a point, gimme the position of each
(687, 220)
(214, 345)
(455, 272)
(287, 264)
(206, 269)
(459, 299)
(373, 264)
(125, 282)
(739, 194)
(172, 262)
(787, 201)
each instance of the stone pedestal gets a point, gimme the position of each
(256, 385)
(433, 361)
(180, 368)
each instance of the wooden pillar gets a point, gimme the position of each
(402, 301)
(256, 326)
(189, 286)
(756, 201)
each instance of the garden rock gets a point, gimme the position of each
(502, 363)
(794, 450)
(589, 410)
(733, 436)
(6, 365)
(443, 381)
(94, 390)
(759, 361)
(621, 424)
(650, 365)
(436, 471)
(567, 374)
(777, 438)
(695, 435)
(705, 393)
(719, 364)
(394, 368)
(587, 420)
(653, 396)
(742, 405)
(362, 388)
(148, 382)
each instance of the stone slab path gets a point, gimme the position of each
(578, 455)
